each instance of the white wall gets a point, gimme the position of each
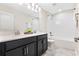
(35, 25)
(62, 26)
(43, 16)
(77, 18)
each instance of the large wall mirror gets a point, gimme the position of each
(6, 23)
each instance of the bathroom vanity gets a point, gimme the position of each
(23, 45)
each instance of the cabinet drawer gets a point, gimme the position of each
(42, 36)
(16, 43)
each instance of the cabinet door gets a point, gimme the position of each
(15, 52)
(45, 45)
(40, 47)
(2, 49)
(30, 49)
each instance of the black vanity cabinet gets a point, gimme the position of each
(42, 44)
(21, 47)
(29, 46)
(27, 50)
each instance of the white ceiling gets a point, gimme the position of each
(55, 7)
(49, 7)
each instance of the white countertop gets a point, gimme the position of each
(16, 37)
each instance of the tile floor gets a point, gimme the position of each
(54, 50)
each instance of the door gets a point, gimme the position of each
(30, 49)
(45, 45)
(2, 49)
(16, 52)
(40, 47)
